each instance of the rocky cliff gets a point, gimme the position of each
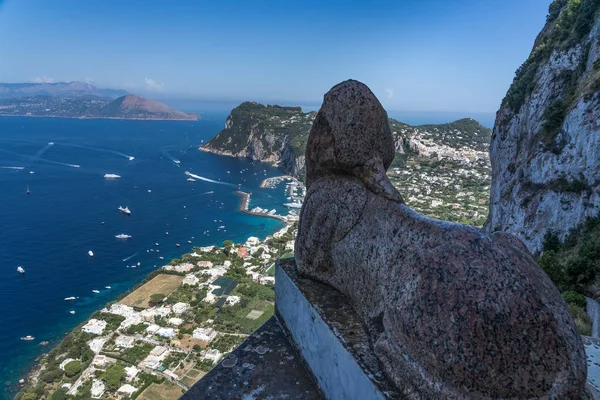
(278, 135)
(545, 149)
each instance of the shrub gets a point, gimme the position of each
(73, 368)
(575, 298)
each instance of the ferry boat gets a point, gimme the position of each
(125, 210)
(91, 253)
(21, 270)
(28, 337)
(122, 236)
(111, 176)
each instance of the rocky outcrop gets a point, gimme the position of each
(135, 107)
(545, 149)
(272, 134)
(453, 313)
(278, 135)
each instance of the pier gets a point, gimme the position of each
(245, 205)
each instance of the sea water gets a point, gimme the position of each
(72, 209)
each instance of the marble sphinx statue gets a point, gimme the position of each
(452, 312)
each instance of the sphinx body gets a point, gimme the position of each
(452, 312)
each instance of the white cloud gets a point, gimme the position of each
(390, 93)
(154, 86)
(43, 79)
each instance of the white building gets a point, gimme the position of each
(180, 308)
(151, 362)
(214, 355)
(152, 329)
(94, 326)
(97, 344)
(227, 264)
(127, 390)
(125, 341)
(120, 309)
(263, 280)
(97, 389)
(100, 361)
(166, 332)
(207, 249)
(190, 280)
(252, 241)
(171, 374)
(131, 372)
(175, 321)
(204, 264)
(159, 351)
(219, 270)
(204, 334)
(232, 300)
(131, 320)
(290, 245)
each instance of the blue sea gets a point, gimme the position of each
(50, 231)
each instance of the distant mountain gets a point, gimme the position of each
(58, 89)
(125, 107)
(134, 107)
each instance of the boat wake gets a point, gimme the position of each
(188, 173)
(130, 158)
(58, 163)
(131, 256)
(7, 167)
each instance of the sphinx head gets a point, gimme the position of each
(351, 136)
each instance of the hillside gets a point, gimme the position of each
(58, 89)
(126, 107)
(546, 142)
(452, 158)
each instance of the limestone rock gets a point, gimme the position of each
(453, 312)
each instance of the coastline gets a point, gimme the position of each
(245, 203)
(114, 118)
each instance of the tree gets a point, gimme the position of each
(59, 394)
(157, 298)
(73, 368)
(113, 376)
(227, 243)
(197, 347)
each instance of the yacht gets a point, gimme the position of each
(28, 337)
(125, 210)
(70, 298)
(111, 176)
(21, 270)
(122, 236)
(96, 291)
(91, 253)
(293, 205)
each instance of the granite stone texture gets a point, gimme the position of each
(452, 312)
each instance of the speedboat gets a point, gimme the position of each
(111, 176)
(131, 158)
(91, 253)
(70, 298)
(122, 236)
(96, 291)
(125, 210)
(21, 270)
(28, 337)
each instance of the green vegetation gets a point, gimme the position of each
(73, 368)
(573, 266)
(114, 376)
(137, 353)
(567, 24)
(226, 343)
(157, 298)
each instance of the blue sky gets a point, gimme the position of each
(425, 55)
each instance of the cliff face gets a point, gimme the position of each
(545, 149)
(271, 134)
(278, 135)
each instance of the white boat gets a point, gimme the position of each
(149, 190)
(107, 287)
(70, 298)
(131, 158)
(91, 253)
(122, 236)
(156, 244)
(111, 176)
(124, 210)
(138, 263)
(176, 161)
(72, 312)
(293, 205)
(21, 270)
(96, 291)
(161, 257)
(32, 172)
(189, 241)
(50, 143)
(190, 180)
(28, 337)
(177, 244)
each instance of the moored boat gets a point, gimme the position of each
(91, 253)
(125, 210)
(20, 270)
(111, 176)
(122, 236)
(28, 337)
